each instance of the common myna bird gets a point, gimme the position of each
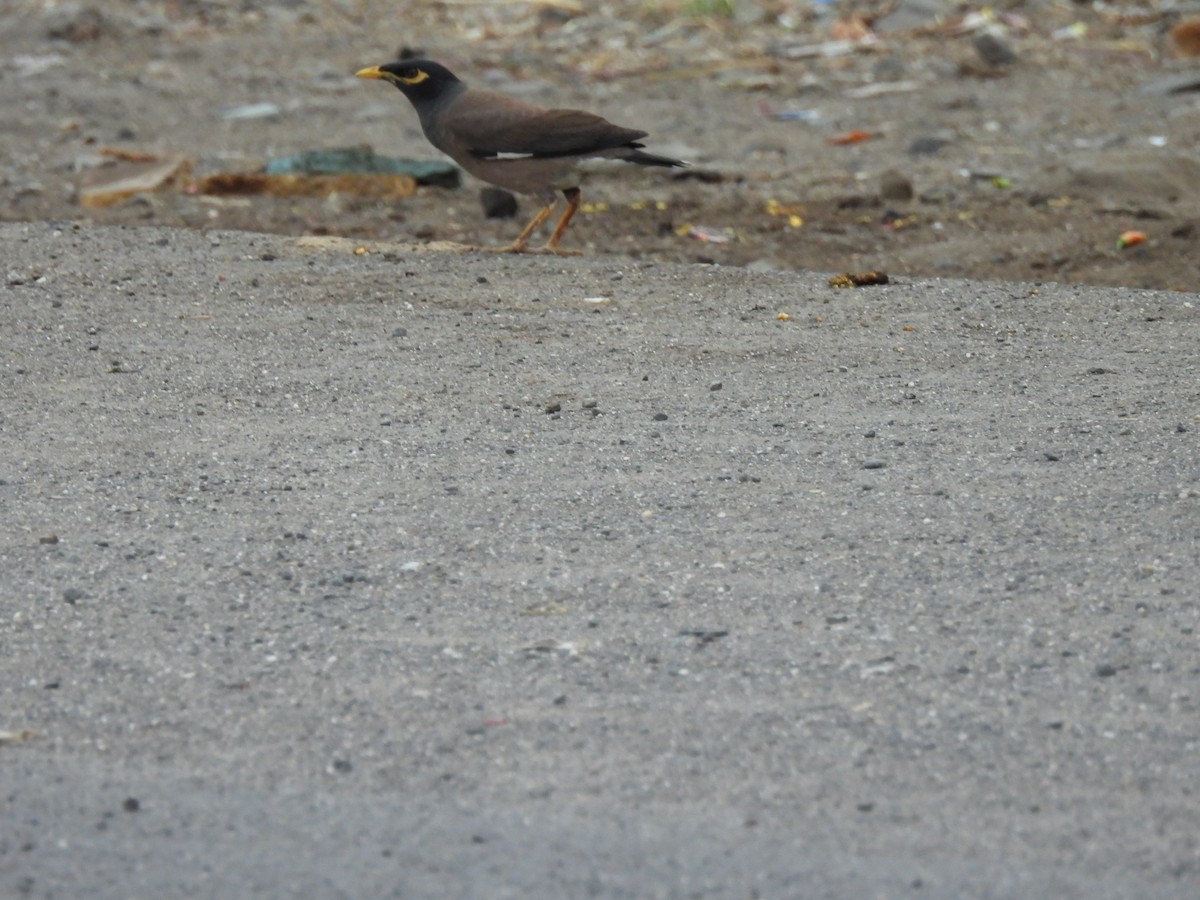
(515, 145)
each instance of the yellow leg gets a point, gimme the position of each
(522, 241)
(573, 196)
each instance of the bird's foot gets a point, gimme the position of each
(507, 248)
(556, 250)
(525, 248)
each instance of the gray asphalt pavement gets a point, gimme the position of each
(420, 574)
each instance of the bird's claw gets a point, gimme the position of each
(545, 249)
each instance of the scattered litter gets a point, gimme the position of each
(1074, 32)
(858, 279)
(539, 610)
(783, 317)
(782, 114)
(364, 161)
(857, 136)
(381, 187)
(125, 174)
(824, 49)
(17, 737)
(1131, 239)
(120, 153)
(984, 175)
(30, 64)
(849, 28)
(1185, 37)
(895, 221)
(975, 20)
(792, 211)
(706, 234)
(250, 111)
(880, 88)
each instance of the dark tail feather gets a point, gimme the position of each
(649, 159)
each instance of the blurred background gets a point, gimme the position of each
(1046, 141)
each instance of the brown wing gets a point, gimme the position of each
(488, 124)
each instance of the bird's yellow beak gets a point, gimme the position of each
(370, 72)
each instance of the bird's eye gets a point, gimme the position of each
(413, 75)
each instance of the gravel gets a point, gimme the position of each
(352, 616)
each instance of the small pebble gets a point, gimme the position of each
(660, 417)
(874, 463)
(497, 203)
(1106, 670)
(894, 186)
(926, 146)
(994, 51)
(264, 110)
(715, 386)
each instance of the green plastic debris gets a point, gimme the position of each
(364, 161)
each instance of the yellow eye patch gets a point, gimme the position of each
(417, 77)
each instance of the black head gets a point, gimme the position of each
(421, 80)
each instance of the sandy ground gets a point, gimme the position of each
(421, 574)
(336, 565)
